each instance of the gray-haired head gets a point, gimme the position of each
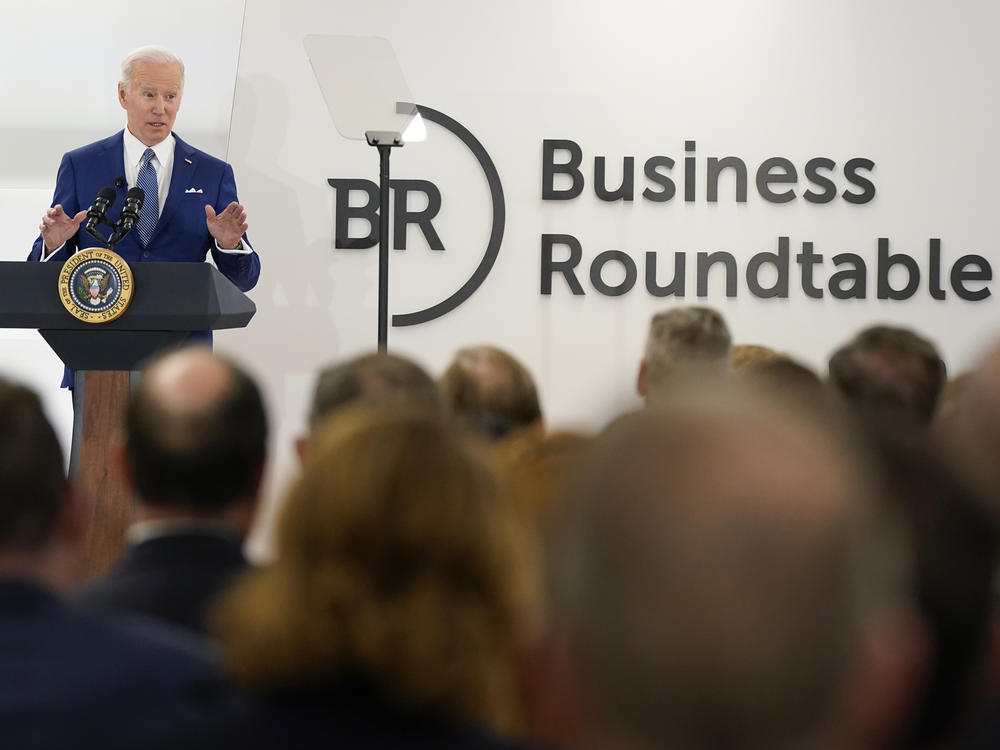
(151, 54)
(684, 342)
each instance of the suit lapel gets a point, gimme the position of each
(185, 165)
(116, 144)
(102, 167)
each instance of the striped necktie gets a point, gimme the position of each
(151, 201)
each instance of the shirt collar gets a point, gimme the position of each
(142, 531)
(134, 149)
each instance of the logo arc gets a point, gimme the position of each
(496, 234)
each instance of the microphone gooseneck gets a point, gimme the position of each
(130, 215)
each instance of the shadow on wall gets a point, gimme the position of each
(294, 322)
(294, 329)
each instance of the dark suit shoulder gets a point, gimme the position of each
(77, 680)
(358, 717)
(173, 578)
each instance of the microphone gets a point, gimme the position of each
(119, 182)
(130, 215)
(97, 213)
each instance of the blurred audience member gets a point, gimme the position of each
(784, 378)
(71, 679)
(891, 371)
(725, 580)
(955, 552)
(951, 395)
(973, 428)
(373, 378)
(537, 469)
(684, 343)
(194, 454)
(488, 390)
(402, 589)
(745, 355)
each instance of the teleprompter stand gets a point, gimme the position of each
(366, 96)
(384, 141)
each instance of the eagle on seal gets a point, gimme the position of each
(93, 288)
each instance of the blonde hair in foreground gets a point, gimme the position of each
(399, 561)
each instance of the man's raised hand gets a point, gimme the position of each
(57, 226)
(227, 227)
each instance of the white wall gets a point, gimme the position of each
(897, 82)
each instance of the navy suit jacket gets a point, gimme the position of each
(181, 233)
(347, 714)
(175, 577)
(73, 680)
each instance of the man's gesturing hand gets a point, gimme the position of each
(57, 226)
(228, 227)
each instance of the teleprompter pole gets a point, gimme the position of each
(384, 142)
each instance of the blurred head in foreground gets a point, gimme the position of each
(955, 555)
(196, 438)
(491, 392)
(890, 372)
(40, 523)
(537, 469)
(401, 567)
(973, 428)
(377, 378)
(745, 355)
(784, 378)
(719, 579)
(684, 343)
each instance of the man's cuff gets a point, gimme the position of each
(52, 254)
(241, 249)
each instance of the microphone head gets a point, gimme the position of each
(135, 195)
(107, 194)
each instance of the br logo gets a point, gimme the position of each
(403, 217)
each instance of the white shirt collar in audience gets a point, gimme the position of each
(143, 531)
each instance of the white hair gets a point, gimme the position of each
(151, 54)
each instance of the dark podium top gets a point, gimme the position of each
(169, 301)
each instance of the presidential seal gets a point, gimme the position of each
(95, 285)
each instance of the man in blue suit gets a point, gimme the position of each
(190, 207)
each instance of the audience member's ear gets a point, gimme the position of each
(883, 683)
(302, 447)
(642, 381)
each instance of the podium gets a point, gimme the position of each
(170, 300)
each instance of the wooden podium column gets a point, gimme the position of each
(101, 413)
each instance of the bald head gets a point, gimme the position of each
(196, 432)
(712, 577)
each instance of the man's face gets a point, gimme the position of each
(152, 100)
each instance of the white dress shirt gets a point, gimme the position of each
(163, 163)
